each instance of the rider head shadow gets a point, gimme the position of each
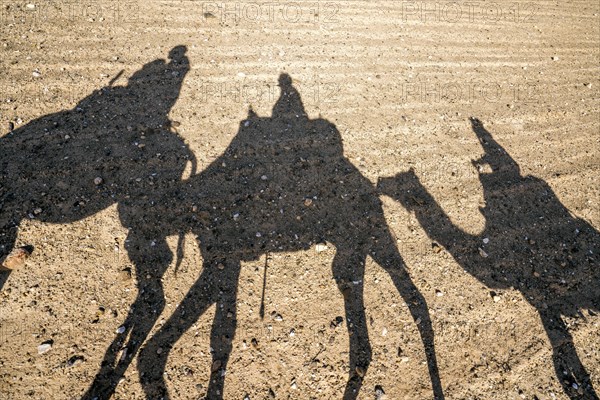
(283, 184)
(533, 244)
(115, 146)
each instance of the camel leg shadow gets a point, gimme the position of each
(213, 286)
(348, 269)
(385, 253)
(142, 316)
(572, 374)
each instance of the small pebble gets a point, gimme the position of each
(588, 85)
(36, 74)
(555, 58)
(44, 347)
(74, 361)
(11, 126)
(121, 329)
(320, 247)
(15, 258)
(30, 6)
(125, 274)
(98, 181)
(264, 178)
(216, 365)
(308, 202)
(482, 253)
(486, 240)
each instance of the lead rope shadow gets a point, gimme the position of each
(283, 184)
(532, 244)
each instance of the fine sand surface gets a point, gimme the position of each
(399, 80)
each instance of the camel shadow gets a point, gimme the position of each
(283, 184)
(114, 147)
(531, 242)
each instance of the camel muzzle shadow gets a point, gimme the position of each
(283, 184)
(535, 246)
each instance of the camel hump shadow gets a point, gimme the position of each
(531, 242)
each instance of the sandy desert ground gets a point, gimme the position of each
(399, 80)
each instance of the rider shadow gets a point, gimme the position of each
(115, 146)
(531, 242)
(282, 185)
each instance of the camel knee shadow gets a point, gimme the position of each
(525, 224)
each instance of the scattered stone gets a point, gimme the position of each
(588, 85)
(74, 361)
(11, 126)
(216, 365)
(308, 202)
(278, 318)
(338, 321)
(98, 181)
(439, 293)
(294, 386)
(241, 74)
(120, 329)
(125, 274)
(555, 58)
(379, 392)
(495, 296)
(36, 74)
(16, 258)
(482, 253)
(436, 247)
(320, 247)
(271, 393)
(254, 342)
(360, 371)
(536, 274)
(30, 6)
(384, 332)
(264, 178)
(292, 332)
(45, 347)
(221, 266)
(486, 240)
